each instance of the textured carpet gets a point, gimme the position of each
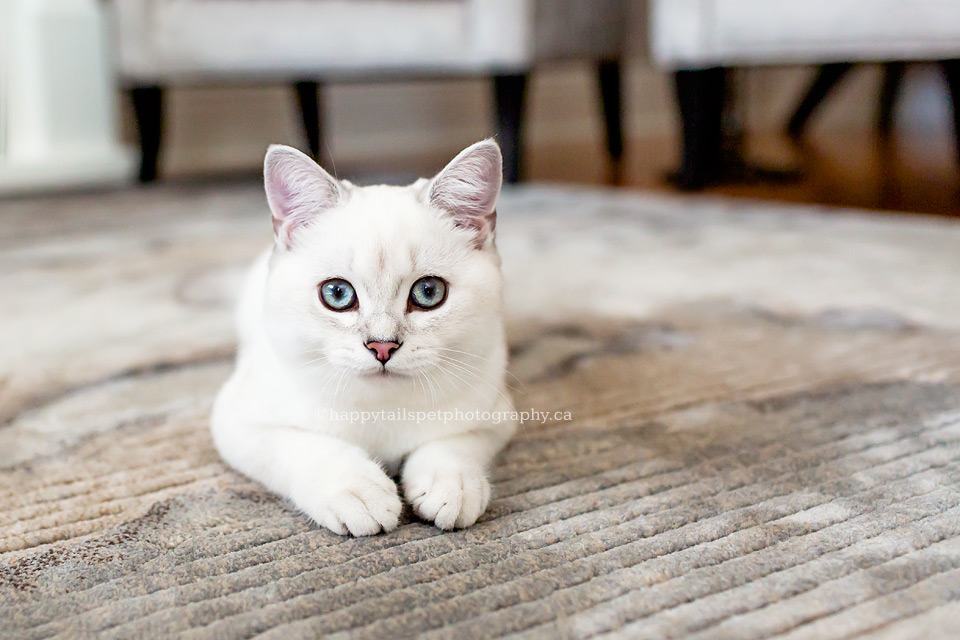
(763, 440)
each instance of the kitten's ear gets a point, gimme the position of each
(468, 187)
(297, 189)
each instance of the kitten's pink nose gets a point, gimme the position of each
(382, 350)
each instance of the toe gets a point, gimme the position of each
(436, 499)
(331, 522)
(444, 502)
(357, 518)
(449, 512)
(386, 510)
(476, 490)
(415, 487)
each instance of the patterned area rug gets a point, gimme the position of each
(762, 441)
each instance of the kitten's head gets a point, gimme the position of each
(384, 282)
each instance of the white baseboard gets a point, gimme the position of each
(111, 168)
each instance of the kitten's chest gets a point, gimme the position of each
(385, 437)
(388, 424)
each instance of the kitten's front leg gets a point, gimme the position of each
(445, 481)
(332, 481)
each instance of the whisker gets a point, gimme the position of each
(473, 355)
(463, 352)
(423, 387)
(447, 372)
(326, 382)
(465, 371)
(309, 362)
(475, 368)
(438, 385)
(434, 387)
(348, 382)
(336, 390)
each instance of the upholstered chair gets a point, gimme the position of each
(307, 43)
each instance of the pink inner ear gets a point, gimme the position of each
(294, 207)
(468, 188)
(288, 212)
(297, 190)
(281, 195)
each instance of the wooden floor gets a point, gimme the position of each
(914, 172)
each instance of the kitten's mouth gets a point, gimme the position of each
(384, 374)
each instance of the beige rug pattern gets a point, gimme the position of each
(764, 440)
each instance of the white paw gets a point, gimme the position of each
(363, 502)
(451, 494)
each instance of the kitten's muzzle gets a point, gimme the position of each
(382, 350)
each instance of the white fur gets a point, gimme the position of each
(297, 358)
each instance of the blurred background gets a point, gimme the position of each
(843, 102)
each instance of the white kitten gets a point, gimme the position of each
(379, 300)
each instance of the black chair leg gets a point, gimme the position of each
(827, 76)
(889, 91)
(148, 109)
(308, 97)
(509, 93)
(700, 96)
(611, 103)
(951, 71)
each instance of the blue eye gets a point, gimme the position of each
(428, 292)
(338, 295)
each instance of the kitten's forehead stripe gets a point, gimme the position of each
(382, 258)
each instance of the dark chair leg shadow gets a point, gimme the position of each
(148, 109)
(611, 106)
(311, 114)
(951, 71)
(828, 75)
(509, 93)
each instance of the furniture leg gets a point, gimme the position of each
(308, 97)
(509, 93)
(148, 109)
(889, 90)
(700, 97)
(828, 75)
(611, 104)
(951, 71)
